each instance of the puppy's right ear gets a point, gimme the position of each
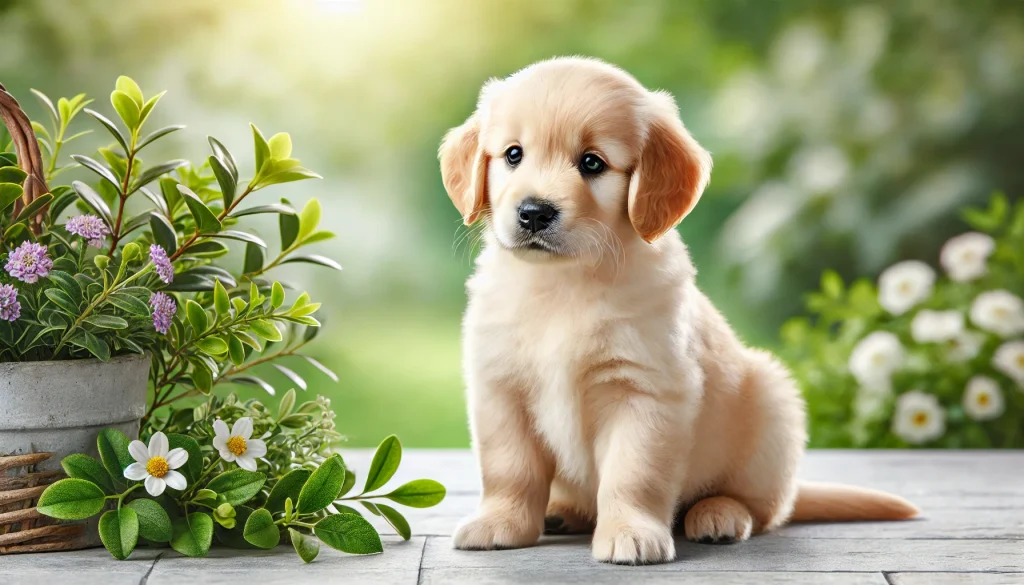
(464, 170)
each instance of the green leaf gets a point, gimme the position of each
(271, 208)
(221, 152)
(385, 463)
(237, 486)
(260, 530)
(288, 486)
(111, 127)
(420, 493)
(235, 351)
(207, 249)
(202, 377)
(119, 531)
(42, 97)
(205, 220)
(291, 375)
(253, 259)
(276, 295)
(127, 86)
(81, 466)
(327, 371)
(253, 381)
(313, 259)
(266, 330)
(172, 197)
(349, 533)
(396, 520)
(305, 545)
(33, 208)
(233, 537)
(129, 111)
(9, 193)
(193, 467)
(192, 534)
(196, 316)
(261, 147)
(152, 173)
(12, 175)
(289, 228)
(309, 218)
(280, 146)
(68, 284)
(147, 108)
(163, 232)
(128, 303)
(154, 523)
(212, 345)
(62, 300)
(275, 176)
(94, 345)
(225, 179)
(106, 322)
(93, 200)
(157, 135)
(318, 236)
(71, 499)
(350, 482)
(241, 237)
(221, 301)
(323, 486)
(287, 404)
(112, 445)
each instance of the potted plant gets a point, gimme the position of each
(117, 284)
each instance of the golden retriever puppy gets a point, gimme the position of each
(605, 391)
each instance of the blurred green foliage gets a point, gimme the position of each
(850, 129)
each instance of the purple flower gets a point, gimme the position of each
(29, 262)
(89, 227)
(10, 308)
(158, 256)
(163, 311)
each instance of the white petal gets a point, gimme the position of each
(175, 480)
(158, 445)
(242, 428)
(255, 448)
(139, 451)
(226, 454)
(220, 428)
(176, 458)
(246, 462)
(155, 486)
(220, 443)
(136, 471)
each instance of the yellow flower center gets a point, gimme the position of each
(1001, 312)
(920, 419)
(906, 287)
(983, 399)
(157, 466)
(1020, 360)
(236, 445)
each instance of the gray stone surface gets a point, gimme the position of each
(971, 533)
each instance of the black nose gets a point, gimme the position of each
(536, 215)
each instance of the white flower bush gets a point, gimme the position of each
(926, 358)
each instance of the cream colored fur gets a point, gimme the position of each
(605, 391)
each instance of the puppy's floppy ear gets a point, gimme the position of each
(670, 176)
(464, 169)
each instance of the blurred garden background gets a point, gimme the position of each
(846, 135)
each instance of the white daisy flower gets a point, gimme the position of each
(999, 311)
(1009, 359)
(936, 326)
(966, 346)
(237, 445)
(965, 257)
(983, 400)
(156, 464)
(919, 418)
(905, 284)
(875, 358)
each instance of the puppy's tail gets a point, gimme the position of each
(829, 502)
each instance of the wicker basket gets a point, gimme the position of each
(29, 157)
(22, 528)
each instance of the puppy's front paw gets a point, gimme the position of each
(636, 541)
(718, 520)
(491, 531)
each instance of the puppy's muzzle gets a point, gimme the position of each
(536, 215)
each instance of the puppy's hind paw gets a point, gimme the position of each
(718, 520)
(638, 542)
(495, 531)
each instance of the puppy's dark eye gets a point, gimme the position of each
(591, 164)
(514, 155)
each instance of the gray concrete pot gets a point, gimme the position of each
(60, 406)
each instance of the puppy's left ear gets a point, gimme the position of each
(464, 169)
(671, 175)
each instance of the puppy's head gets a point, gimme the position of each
(568, 153)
